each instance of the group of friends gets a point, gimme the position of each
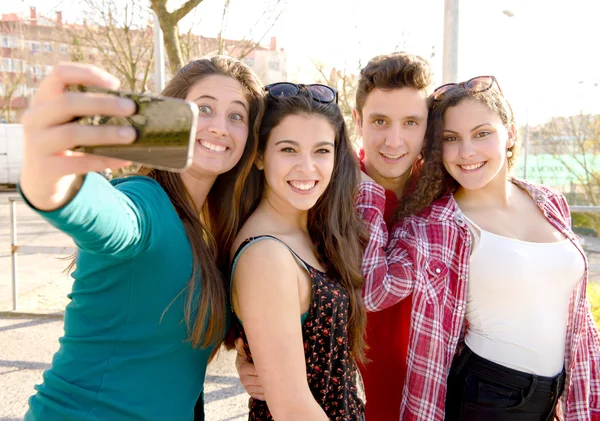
(413, 279)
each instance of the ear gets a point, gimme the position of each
(259, 163)
(357, 121)
(512, 136)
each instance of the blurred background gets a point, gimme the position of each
(543, 54)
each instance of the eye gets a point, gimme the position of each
(236, 117)
(379, 122)
(204, 109)
(288, 150)
(450, 138)
(411, 123)
(482, 134)
(323, 151)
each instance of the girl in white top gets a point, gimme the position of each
(500, 326)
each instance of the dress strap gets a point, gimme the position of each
(249, 241)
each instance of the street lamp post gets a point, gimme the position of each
(510, 14)
(450, 54)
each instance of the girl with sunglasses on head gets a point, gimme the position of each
(295, 273)
(149, 303)
(501, 327)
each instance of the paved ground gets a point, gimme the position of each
(27, 343)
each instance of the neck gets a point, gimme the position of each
(283, 215)
(395, 185)
(198, 185)
(495, 194)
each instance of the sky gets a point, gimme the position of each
(545, 57)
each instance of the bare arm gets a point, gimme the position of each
(266, 298)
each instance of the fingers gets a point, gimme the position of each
(67, 106)
(68, 136)
(239, 347)
(65, 74)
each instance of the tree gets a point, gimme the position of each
(575, 143)
(13, 70)
(257, 32)
(346, 82)
(169, 25)
(120, 36)
(193, 46)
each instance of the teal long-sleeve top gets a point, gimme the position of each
(124, 354)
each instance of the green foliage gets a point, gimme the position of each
(594, 297)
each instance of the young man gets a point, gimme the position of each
(391, 117)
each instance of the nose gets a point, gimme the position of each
(394, 138)
(305, 164)
(218, 126)
(466, 149)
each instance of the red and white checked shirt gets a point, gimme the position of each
(428, 256)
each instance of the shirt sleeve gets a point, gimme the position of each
(387, 268)
(110, 219)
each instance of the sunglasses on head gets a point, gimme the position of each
(477, 84)
(320, 93)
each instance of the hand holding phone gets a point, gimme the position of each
(165, 127)
(51, 170)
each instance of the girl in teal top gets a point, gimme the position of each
(149, 305)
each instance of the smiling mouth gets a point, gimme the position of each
(472, 167)
(392, 157)
(212, 146)
(304, 186)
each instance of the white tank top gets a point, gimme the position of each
(517, 301)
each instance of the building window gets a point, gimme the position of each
(64, 49)
(47, 47)
(274, 65)
(35, 47)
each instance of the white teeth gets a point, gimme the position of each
(213, 147)
(472, 167)
(303, 185)
(392, 156)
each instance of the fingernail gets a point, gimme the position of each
(127, 105)
(127, 133)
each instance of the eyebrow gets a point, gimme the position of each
(473, 129)
(408, 117)
(293, 142)
(215, 99)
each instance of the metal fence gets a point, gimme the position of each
(16, 248)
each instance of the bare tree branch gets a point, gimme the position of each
(184, 9)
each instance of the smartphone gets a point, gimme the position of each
(166, 130)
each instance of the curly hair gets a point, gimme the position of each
(393, 71)
(434, 180)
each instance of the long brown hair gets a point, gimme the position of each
(433, 179)
(336, 231)
(212, 228)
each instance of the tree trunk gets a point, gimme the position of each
(168, 23)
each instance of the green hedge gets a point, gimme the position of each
(594, 297)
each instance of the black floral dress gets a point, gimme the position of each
(332, 374)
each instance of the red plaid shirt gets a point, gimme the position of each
(428, 256)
